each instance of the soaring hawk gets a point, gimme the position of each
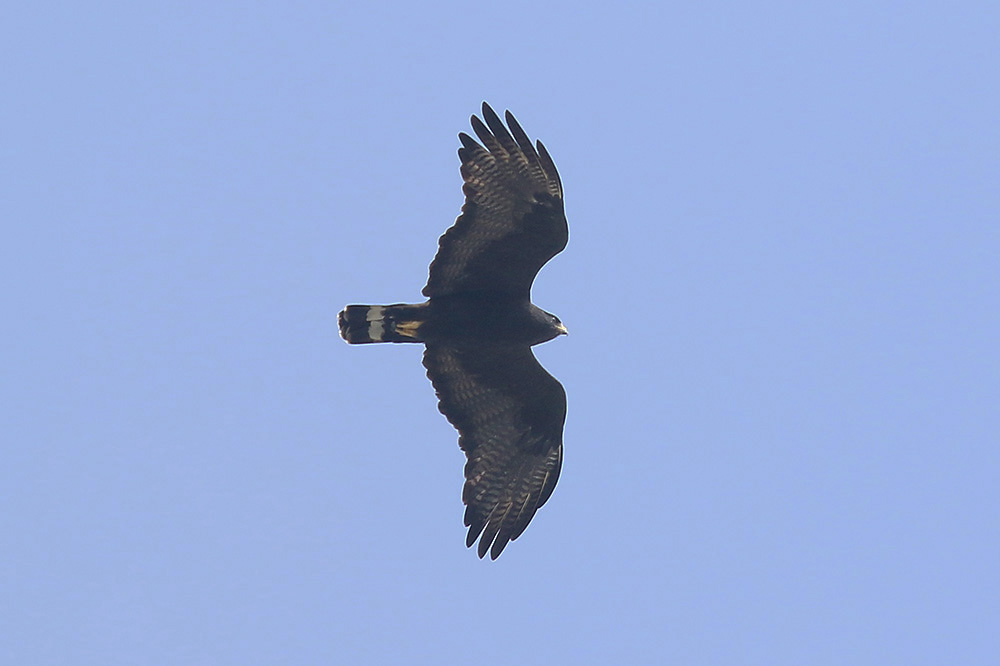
(479, 325)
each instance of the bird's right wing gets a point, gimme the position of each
(509, 413)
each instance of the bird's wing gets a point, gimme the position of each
(509, 413)
(512, 221)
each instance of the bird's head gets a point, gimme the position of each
(556, 324)
(546, 325)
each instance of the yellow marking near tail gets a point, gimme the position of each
(408, 328)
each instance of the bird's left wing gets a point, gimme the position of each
(512, 221)
(509, 413)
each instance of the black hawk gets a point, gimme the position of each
(479, 325)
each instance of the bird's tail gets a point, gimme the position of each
(362, 324)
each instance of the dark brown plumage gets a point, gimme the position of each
(479, 325)
(512, 221)
(509, 412)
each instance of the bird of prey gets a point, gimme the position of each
(479, 324)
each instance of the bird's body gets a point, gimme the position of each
(453, 319)
(479, 324)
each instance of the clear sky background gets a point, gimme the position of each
(781, 287)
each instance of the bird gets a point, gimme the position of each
(478, 325)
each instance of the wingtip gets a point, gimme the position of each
(480, 129)
(491, 117)
(488, 543)
(497, 548)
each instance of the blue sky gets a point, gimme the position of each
(781, 287)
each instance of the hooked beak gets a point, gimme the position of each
(562, 329)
